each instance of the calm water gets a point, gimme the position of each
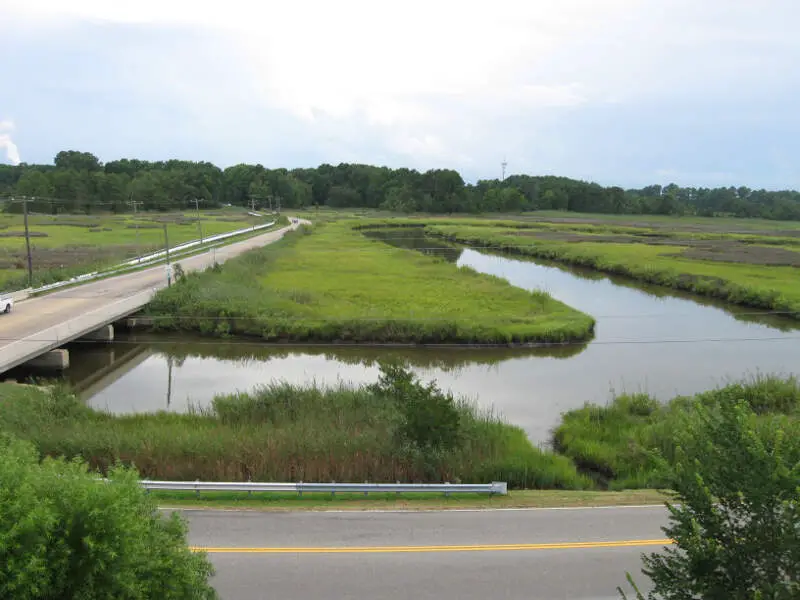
(647, 339)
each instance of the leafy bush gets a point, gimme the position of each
(65, 535)
(430, 418)
(736, 482)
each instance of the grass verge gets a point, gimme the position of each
(356, 502)
(333, 284)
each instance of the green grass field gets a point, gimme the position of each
(66, 245)
(334, 284)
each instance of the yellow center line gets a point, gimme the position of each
(475, 548)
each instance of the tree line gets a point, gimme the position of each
(80, 182)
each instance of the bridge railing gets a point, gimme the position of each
(140, 261)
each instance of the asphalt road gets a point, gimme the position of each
(36, 315)
(446, 555)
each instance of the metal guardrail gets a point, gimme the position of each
(494, 488)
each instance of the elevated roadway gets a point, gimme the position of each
(41, 324)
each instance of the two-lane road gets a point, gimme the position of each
(445, 555)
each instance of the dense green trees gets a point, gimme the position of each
(78, 181)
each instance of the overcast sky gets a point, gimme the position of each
(628, 92)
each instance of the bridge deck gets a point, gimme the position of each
(40, 324)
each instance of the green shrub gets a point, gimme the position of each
(65, 535)
(736, 482)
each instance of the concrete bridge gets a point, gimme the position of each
(37, 328)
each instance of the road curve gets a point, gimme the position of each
(443, 555)
(37, 314)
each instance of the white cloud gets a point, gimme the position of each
(448, 80)
(7, 144)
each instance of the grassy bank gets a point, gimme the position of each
(332, 284)
(66, 245)
(314, 501)
(621, 445)
(750, 270)
(395, 430)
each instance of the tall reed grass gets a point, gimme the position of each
(280, 432)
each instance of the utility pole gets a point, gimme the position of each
(166, 245)
(199, 222)
(133, 203)
(278, 200)
(169, 380)
(28, 241)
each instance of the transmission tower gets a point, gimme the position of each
(503, 164)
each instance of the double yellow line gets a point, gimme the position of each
(474, 548)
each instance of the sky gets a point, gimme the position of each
(622, 92)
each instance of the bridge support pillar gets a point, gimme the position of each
(54, 360)
(104, 334)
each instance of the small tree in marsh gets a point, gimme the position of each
(430, 417)
(736, 516)
(65, 535)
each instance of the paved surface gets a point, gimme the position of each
(35, 315)
(530, 554)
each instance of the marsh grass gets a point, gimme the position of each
(335, 285)
(769, 287)
(621, 444)
(281, 432)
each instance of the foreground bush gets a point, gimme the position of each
(736, 482)
(621, 445)
(399, 429)
(65, 535)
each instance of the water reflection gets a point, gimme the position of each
(647, 339)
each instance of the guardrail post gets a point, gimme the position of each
(196, 488)
(446, 492)
(397, 494)
(366, 492)
(500, 487)
(300, 489)
(333, 490)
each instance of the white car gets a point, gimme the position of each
(6, 304)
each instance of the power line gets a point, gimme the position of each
(401, 345)
(428, 319)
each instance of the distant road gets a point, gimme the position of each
(447, 555)
(35, 315)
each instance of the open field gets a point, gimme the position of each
(759, 270)
(334, 284)
(615, 443)
(66, 245)
(395, 430)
